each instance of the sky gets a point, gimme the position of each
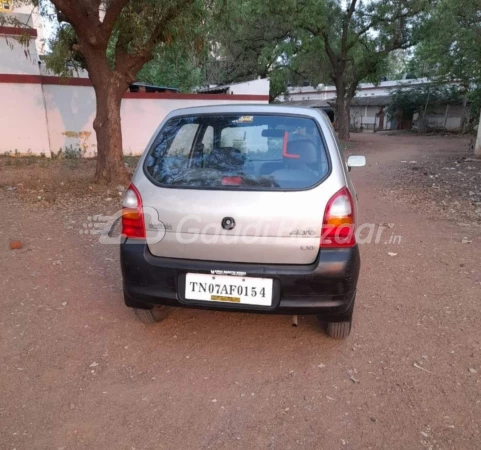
(50, 23)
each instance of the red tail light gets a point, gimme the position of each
(338, 227)
(133, 225)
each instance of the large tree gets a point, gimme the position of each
(113, 40)
(356, 38)
(322, 41)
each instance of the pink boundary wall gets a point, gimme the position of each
(42, 114)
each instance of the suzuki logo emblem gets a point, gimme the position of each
(228, 223)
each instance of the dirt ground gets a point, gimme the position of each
(78, 371)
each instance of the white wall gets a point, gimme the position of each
(23, 126)
(254, 87)
(452, 117)
(66, 119)
(17, 59)
(454, 114)
(70, 114)
(260, 86)
(41, 114)
(436, 121)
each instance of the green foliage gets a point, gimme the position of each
(175, 62)
(401, 65)
(279, 79)
(450, 48)
(62, 58)
(357, 39)
(250, 39)
(474, 97)
(451, 41)
(291, 41)
(69, 152)
(288, 41)
(173, 65)
(140, 18)
(421, 99)
(163, 54)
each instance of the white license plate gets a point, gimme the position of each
(230, 289)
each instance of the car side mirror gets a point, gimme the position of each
(356, 161)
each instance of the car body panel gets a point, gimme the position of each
(270, 226)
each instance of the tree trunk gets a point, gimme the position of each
(477, 144)
(464, 118)
(446, 117)
(342, 110)
(110, 166)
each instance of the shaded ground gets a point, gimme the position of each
(446, 176)
(52, 182)
(79, 371)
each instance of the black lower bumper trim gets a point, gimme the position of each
(327, 287)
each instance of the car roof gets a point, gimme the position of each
(246, 108)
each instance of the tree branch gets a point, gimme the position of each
(83, 15)
(345, 28)
(113, 11)
(376, 20)
(351, 91)
(62, 5)
(130, 63)
(314, 32)
(330, 52)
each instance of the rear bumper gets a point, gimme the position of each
(327, 287)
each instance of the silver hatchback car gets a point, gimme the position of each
(242, 208)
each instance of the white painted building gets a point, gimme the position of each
(324, 92)
(29, 16)
(367, 110)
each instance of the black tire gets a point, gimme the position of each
(339, 330)
(153, 315)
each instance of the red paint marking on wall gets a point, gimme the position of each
(17, 31)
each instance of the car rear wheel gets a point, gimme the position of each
(153, 315)
(339, 330)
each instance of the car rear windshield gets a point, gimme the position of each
(242, 152)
